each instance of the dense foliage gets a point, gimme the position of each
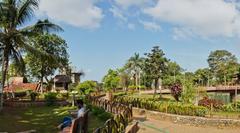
(50, 98)
(87, 87)
(176, 91)
(189, 93)
(211, 103)
(155, 65)
(16, 34)
(111, 80)
(167, 107)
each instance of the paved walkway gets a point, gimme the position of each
(156, 126)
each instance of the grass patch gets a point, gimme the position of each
(41, 119)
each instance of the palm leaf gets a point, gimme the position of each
(40, 27)
(17, 57)
(46, 26)
(26, 10)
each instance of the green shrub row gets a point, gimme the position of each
(101, 113)
(163, 106)
(232, 107)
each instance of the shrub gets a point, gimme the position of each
(206, 102)
(20, 94)
(100, 113)
(189, 93)
(33, 96)
(228, 108)
(162, 106)
(176, 91)
(50, 98)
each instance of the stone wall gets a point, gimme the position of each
(189, 120)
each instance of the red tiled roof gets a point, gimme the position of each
(21, 86)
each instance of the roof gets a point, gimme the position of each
(20, 87)
(62, 79)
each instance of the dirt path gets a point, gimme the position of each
(156, 126)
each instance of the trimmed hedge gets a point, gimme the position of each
(163, 106)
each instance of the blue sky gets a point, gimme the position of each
(103, 34)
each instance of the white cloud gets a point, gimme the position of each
(79, 13)
(151, 25)
(128, 3)
(182, 33)
(206, 18)
(118, 13)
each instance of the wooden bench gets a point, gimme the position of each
(79, 125)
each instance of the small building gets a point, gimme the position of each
(61, 82)
(75, 77)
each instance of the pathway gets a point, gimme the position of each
(157, 126)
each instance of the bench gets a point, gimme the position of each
(79, 125)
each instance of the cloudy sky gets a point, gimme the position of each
(103, 34)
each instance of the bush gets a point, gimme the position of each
(100, 113)
(20, 94)
(232, 107)
(228, 108)
(33, 96)
(206, 102)
(50, 98)
(176, 91)
(189, 93)
(161, 106)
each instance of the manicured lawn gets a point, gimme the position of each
(41, 119)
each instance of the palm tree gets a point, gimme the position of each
(15, 36)
(135, 64)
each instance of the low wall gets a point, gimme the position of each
(189, 120)
(30, 103)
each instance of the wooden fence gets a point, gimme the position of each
(122, 116)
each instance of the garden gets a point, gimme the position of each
(39, 85)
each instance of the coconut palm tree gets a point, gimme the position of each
(15, 36)
(134, 64)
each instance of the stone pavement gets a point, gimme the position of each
(157, 126)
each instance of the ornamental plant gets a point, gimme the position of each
(206, 102)
(176, 91)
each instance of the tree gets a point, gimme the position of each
(203, 77)
(173, 74)
(41, 67)
(111, 80)
(134, 65)
(155, 66)
(87, 86)
(14, 36)
(223, 65)
(124, 79)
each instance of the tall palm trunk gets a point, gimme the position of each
(4, 73)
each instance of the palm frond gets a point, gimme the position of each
(17, 58)
(46, 26)
(26, 10)
(40, 27)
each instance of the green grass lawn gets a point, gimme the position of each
(41, 119)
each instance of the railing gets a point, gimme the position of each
(122, 115)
